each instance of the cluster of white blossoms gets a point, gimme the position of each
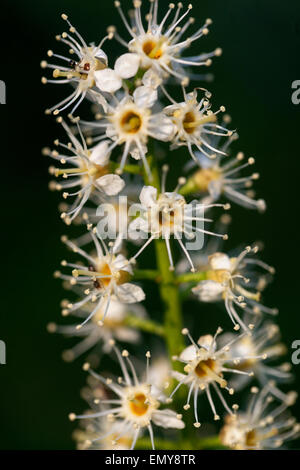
(136, 136)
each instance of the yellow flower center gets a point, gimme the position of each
(96, 171)
(203, 177)
(105, 281)
(251, 439)
(131, 122)
(208, 369)
(218, 275)
(202, 367)
(138, 406)
(153, 49)
(120, 276)
(166, 217)
(191, 121)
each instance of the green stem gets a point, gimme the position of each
(160, 444)
(168, 290)
(146, 274)
(211, 442)
(191, 277)
(132, 169)
(189, 188)
(145, 325)
(170, 296)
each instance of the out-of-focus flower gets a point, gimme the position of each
(255, 352)
(113, 326)
(217, 179)
(263, 425)
(137, 403)
(205, 368)
(89, 171)
(195, 123)
(106, 276)
(227, 279)
(159, 46)
(79, 70)
(97, 397)
(87, 438)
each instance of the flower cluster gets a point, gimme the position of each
(118, 160)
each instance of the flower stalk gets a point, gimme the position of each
(191, 277)
(134, 109)
(142, 324)
(167, 285)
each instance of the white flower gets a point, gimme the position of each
(205, 366)
(165, 215)
(262, 425)
(159, 46)
(100, 330)
(130, 122)
(105, 277)
(110, 431)
(89, 171)
(79, 70)
(96, 395)
(195, 124)
(227, 278)
(126, 67)
(257, 352)
(217, 178)
(137, 403)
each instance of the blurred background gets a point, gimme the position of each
(261, 50)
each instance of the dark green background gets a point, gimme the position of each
(261, 43)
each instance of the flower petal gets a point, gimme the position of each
(220, 261)
(148, 196)
(99, 154)
(130, 293)
(158, 394)
(205, 341)
(208, 291)
(162, 127)
(111, 184)
(178, 376)
(151, 79)
(127, 334)
(137, 226)
(145, 97)
(100, 55)
(121, 263)
(167, 419)
(107, 80)
(127, 65)
(188, 354)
